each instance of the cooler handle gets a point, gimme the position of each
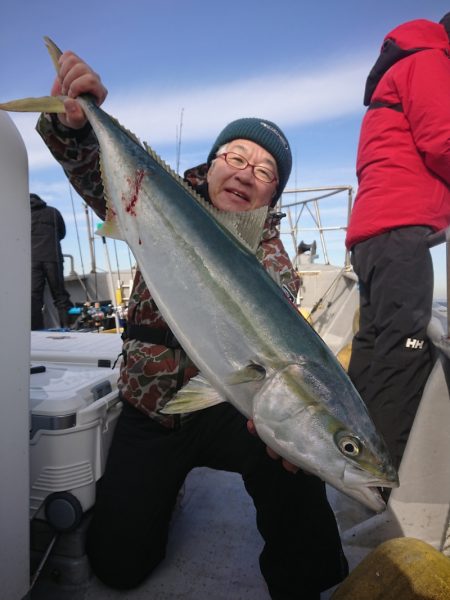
(98, 409)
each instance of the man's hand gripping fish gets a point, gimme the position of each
(250, 343)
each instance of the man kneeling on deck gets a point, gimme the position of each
(151, 454)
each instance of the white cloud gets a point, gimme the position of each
(290, 99)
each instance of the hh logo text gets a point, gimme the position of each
(414, 344)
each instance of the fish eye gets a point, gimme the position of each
(349, 445)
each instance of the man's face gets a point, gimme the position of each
(232, 189)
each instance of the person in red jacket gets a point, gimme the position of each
(403, 169)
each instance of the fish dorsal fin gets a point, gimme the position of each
(195, 395)
(246, 227)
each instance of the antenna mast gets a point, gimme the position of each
(178, 140)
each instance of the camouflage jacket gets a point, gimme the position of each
(149, 373)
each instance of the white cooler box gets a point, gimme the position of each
(74, 405)
(101, 349)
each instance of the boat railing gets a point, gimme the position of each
(311, 208)
(434, 240)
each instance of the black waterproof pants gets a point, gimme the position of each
(52, 272)
(391, 354)
(146, 467)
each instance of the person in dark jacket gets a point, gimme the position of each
(47, 231)
(403, 169)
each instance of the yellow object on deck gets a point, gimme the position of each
(345, 352)
(344, 355)
(306, 314)
(399, 569)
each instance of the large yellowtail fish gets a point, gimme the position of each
(250, 343)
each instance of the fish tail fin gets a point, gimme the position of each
(49, 104)
(54, 52)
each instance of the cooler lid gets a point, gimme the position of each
(64, 389)
(99, 349)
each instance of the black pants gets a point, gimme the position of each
(391, 355)
(146, 467)
(52, 272)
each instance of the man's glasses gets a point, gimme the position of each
(239, 162)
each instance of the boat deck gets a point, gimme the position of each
(212, 552)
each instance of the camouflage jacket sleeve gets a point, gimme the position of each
(274, 257)
(77, 152)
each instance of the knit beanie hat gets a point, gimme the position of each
(265, 134)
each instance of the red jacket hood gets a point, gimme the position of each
(419, 33)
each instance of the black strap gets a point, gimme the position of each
(378, 104)
(181, 369)
(389, 55)
(151, 335)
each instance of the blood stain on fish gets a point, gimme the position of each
(135, 186)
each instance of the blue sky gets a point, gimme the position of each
(301, 64)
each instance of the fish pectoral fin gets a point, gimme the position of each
(49, 104)
(252, 372)
(196, 395)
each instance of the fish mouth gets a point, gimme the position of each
(365, 487)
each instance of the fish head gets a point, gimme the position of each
(325, 430)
